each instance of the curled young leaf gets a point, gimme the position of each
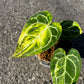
(38, 35)
(65, 69)
(70, 30)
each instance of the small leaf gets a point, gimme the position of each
(70, 30)
(38, 35)
(65, 69)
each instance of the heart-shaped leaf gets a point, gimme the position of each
(70, 30)
(38, 35)
(65, 69)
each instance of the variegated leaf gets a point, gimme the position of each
(38, 35)
(65, 69)
(70, 30)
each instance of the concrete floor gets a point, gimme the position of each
(13, 15)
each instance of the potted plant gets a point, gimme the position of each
(42, 36)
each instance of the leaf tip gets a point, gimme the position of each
(81, 31)
(11, 57)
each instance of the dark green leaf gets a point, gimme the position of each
(70, 30)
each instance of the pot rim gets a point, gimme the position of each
(44, 63)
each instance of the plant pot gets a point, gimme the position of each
(45, 57)
(44, 63)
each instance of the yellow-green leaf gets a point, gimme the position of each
(38, 35)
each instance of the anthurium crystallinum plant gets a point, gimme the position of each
(39, 34)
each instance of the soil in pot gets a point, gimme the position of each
(47, 55)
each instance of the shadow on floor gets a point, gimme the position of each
(78, 43)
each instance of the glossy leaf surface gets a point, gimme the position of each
(65, 69)
(70, 30)
(38, 35)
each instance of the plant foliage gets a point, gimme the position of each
(65, 69)
(38, 35)
(70, 30)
